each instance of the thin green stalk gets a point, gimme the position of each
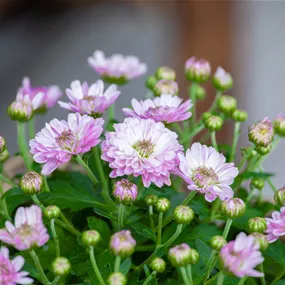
(263, 282)
(214, 141)
(210, 264)
(235, 141)
(245, 157)
(37, 202)
(149, 278)
(31, 128)
(112, 112)
(221, 279)
(87, 169)
(227, 228)
(117, 264)
(278, 277)
(189, 197)
(159, 228)
(184, 276)
(95, 266)
(55, 281)
(23, 146)
(46, 184)
(241, 282)
(39, 267)
(68, 223)
(65, 226)
(7, 180)
(249, 197)
(213, 278)
(121, 215)
(192, 91)
(150, 210)
(189, 273)
(3, 203)
(55, 238)
(215, 102)
(270, 183)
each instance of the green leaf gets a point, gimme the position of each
(144, 231)
(280, 282)
(241, 222)
(249, 175)
(100, 226)
(276, 251)
(15, 198)
(125, 266)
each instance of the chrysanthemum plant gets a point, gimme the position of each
(154, 199)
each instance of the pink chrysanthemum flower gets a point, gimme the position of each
(205, 170)
(60, 140)
(142, 147)
(166, 108)
(49, 95)
(10, 273)
(276, 225)
(241, 256)
(90, 100)
(117, 67)
(28, 231)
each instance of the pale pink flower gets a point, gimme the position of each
(28, 230)
(118, 67)
(241, 256)
(276, 225)
(205, 170)
(60, 140)
(142, 148)
(91, 100)
(166, 108)
(10, 273)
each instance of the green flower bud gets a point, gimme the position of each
(117, 278)
(217, 242)
(279, 125)
(162, 205)
(61, 266)
(205, 116)
(52, 212)
(151, 200)
(261, 240)
(239, 115)
(227, 104)
(4, 156)
(200, 92)
(165, 72)
(222, 80)
(257, 225)
(183, 214)
(90, 238)
(194, 256)
(158, 265)
(2, 145)
(20, 111)
(233, 208)
(165, 86)
(197, 70)
(214, 123)
(180, 255)
(150, 82)
(257, 183)
(32, 183)
(264, 150)
(279, 196)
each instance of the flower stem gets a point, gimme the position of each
(214, 141)
(227, 228)
(235, 141)
(245, 157)
(149, 278)
(68, 223)
(37, 202)
(189, 273)
(67, 227)
(150, 210)
(7, 180)
(189, 197)
(221, 279)
(215, 102)
(241, 282)
(46, 184)
(278, 277)
(3, 203)
(213, 278)
(39, 267)
(211, 264)
(88, 170)
(159, 228)
(55, 238)
(192, 92)
(121, 215)
(117, 264)
(23, 146)
(263, 282)
(112, 112)
(31, 128)
(95, 266)
(184, 276)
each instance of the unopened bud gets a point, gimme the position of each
(261, 240)
(257, 225)
(52, 212)
(32, 183)
(180, 255)
(61, 266)
(227, 104)
(165, 86)
(150, 82)
(257, 183)
(239, 116)
(183, 214)
(20, 111)
(279, 125)
(125, 192)
(158, 265)
(205, 116)
(4, 155)
(233, 208)
(214, 123)
(90, 238)
(217, 242)
(122, 243)
(264, 150)
(222, 80)
(162, 205)
(117, 278)
(2, 145)
(165, 72)
(151, 199)
(279, 196)
(197, 70)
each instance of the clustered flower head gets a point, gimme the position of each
(122, 243)
(125, 191)
(197, 70)
(276, 225)
(60, 140)
(117, 68)
(28, 230)
(142, 148)
(91, 100)
(241, 256)
(10, 273)
(166, 108)
(205, 170)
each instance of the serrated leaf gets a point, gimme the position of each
(144, 231)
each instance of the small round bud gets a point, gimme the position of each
(222, 80)
(183, 214)
(150, 82)
(194, 256)
(264, 150)
(125, 192)
(279, 125)
(227, 104)
(205, 116)
(164, 86)
(162, 205)
(52, 212)
(239, 116)
(61, 266)
(197, 70)
(257, 225)
(4, 156)
(165, 72)
(279, 196)
(20, 111)
(158, 265)
(233, 208)
(151, 199)
(200, 92)
(257, 183)
(261, 240)
(180, 255)
(214, 123)
(90, 238)
(32, 183)
(117, 278)
(2, 145)
(261, 133)
(217, 242)
(122, 243)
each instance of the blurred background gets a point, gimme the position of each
(49, 41)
